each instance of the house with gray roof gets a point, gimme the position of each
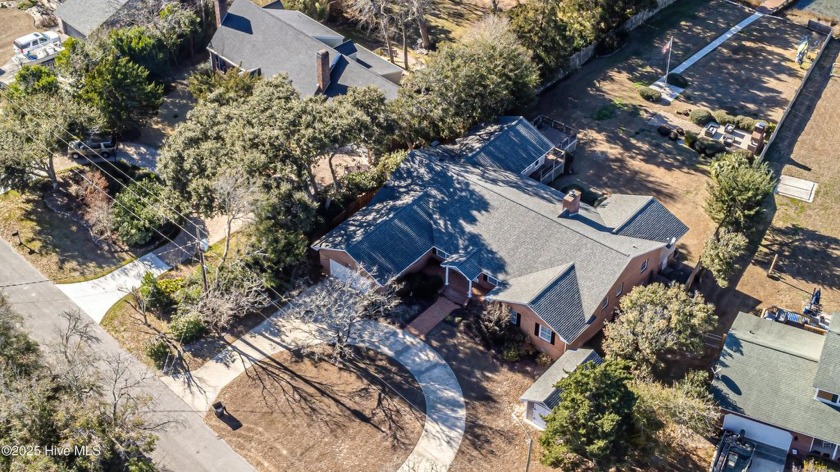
(80, 18)
(542, 396)
(780, 385)
(270, 40)
(473, 211)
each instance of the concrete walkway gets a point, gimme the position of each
(96, 297)
(670, 92)
(430, 318)
(188, 444)
(445, 410)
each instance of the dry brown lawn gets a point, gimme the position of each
(625, 154)
(292, 413)
(495, 437)
(59, 247)
(806, 236)
(16, 23)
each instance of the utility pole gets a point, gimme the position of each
(201, 260)
(670, 48)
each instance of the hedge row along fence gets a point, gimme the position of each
(578, 59)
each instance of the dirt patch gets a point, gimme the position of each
(495, 437)
(806, 236)
(625, 154)
(16, 23)
(292, 413)
(754, 73)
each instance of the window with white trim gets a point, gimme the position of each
(644, 266)
(440, 253)
(545, 333)
(828, 397)
(620, 289)
(605, 302)
(492, 280)
(514, 317)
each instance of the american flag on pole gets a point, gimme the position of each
(667, 47)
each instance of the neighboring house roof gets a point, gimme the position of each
(85, 16)
(276, 41)
(767, 371)
(543, 390)
(828, 372)
(495, 221)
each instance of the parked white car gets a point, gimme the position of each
(34, 41)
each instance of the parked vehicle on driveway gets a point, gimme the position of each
(32, 41)
(93, 147)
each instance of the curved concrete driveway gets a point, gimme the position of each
(445, 410)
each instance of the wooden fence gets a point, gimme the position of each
(769, 142)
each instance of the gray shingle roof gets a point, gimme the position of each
(493, 221)
(766, 372)
(85, 16)
(828, 372)
(543, 390)
(513, 146)
(272, 41)
(653, 222)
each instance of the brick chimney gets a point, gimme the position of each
(571, 203)
(220, 7)
(322, 70)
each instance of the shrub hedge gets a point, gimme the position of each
(700, 116)
(186, 328)
(677, 80)
(651, 95)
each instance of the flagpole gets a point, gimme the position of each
(670, 48)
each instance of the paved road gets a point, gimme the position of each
(445, 410)
(190, 446)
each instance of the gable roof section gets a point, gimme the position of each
(276, 41)
(828, 372)
(560, 306)
(513, 146)
(653, 222)
(766, 372)
(543, 390)
(85, 16)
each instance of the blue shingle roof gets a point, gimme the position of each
(498, 222)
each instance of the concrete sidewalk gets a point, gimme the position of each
(671, 92)
(189, 444)
(445, 409)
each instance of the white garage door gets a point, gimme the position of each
(340, 272)
(758, 431)
(348, 276)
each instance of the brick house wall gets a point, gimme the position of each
(629, 278)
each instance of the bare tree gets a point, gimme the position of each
(236, 195)
(375, 13)
(231, 294)
(333, 311)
